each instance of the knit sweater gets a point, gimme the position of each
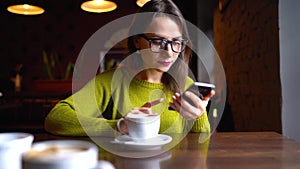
(95, 109)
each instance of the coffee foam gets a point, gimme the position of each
(142, 117)
(54, 153)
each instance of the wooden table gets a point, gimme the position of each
(237, 150)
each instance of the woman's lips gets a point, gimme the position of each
(165, 63)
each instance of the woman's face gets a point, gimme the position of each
(161, 27)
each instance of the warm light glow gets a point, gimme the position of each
(25, 9)
(26, 6)
(98, 6)
(140, 3)
(98, 2)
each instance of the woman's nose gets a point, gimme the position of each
(168, 49)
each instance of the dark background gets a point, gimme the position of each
(245, 35)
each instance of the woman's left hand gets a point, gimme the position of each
(187, 110)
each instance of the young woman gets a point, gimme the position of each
(155, 70)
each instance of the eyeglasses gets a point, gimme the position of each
(157, 45)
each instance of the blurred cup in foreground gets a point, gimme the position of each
(12, 146)
(61, 154)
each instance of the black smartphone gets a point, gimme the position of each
(201, 89)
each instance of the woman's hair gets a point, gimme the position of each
(175, 79)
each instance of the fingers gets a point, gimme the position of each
(183, 107)
(187, 110)
(123, 127)
(138, 110)
(153, 103)
(211, 94)
(146, 108)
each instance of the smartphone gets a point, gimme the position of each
(200, 89)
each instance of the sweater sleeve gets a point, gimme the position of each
(64, 120)
(80, 114)
(201, 124)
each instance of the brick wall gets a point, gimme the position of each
(247, 41)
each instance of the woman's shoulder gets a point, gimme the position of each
(106, 75)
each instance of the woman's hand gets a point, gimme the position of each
(187, 110)
(146, 108)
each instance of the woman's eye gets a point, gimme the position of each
(157, 42)
(176, 43)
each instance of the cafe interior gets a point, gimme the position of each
(248, 39)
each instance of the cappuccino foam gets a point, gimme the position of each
(54, 152)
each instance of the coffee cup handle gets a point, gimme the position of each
(119, 126)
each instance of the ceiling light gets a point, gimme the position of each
(140, 3)
(98, 6)
(25, 9)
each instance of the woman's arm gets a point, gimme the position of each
(64, 120)
(80, 114)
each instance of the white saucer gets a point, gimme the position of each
(149, 144)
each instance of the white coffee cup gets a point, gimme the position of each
(12, 146)
(61, 154)
(140, 126)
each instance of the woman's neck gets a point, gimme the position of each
(150, 75)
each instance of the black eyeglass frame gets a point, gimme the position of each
(164, 43)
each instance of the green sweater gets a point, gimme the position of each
(95, 109)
